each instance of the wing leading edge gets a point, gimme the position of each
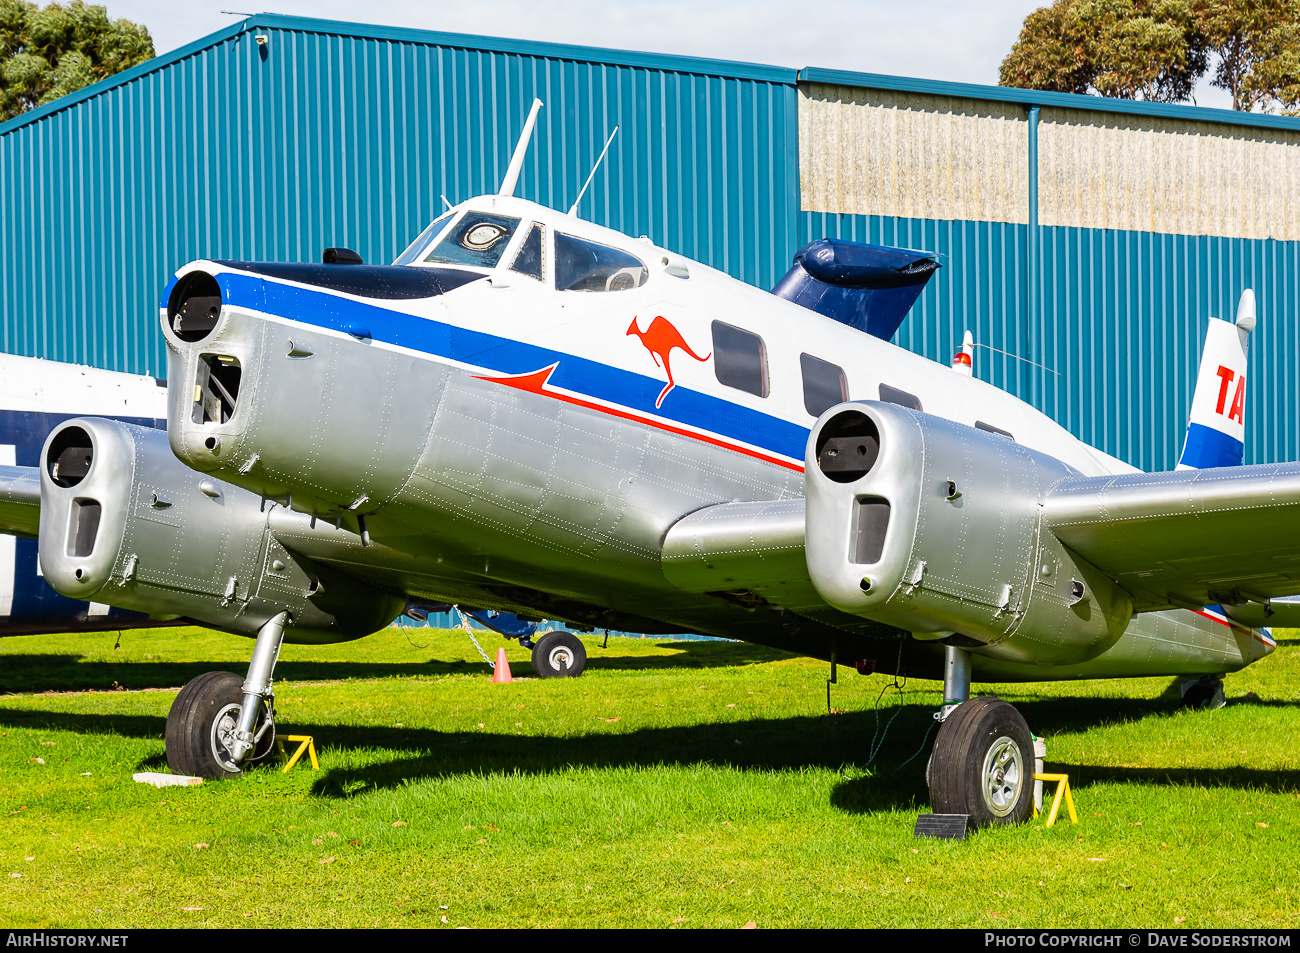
(1178, 539)
(1186, 538)
(20, 501)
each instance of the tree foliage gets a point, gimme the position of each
(50, 52)
(1156, 50)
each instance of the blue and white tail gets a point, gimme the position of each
(1216, 430)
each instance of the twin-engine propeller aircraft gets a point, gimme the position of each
(531, 412)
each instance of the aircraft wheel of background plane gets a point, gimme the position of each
(1205, 694)
(559, 654)
(983, 764)
(201, 727)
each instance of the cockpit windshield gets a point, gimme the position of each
(429, 234)
(478, 239)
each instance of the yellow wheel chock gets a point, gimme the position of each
(306, 744)
(1062, 791)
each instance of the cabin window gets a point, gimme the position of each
(824, 384)
(429, 234)
(981, 425)
(892, 395)
(739, 359)
(529, 260)
(478, 239)
(581, 265)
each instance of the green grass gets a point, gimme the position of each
(692, 784)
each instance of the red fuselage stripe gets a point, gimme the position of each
(535, 383)
(1235, 628)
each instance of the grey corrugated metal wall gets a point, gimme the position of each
(337, 134)
(345, 134)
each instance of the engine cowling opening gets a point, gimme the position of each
(194, 306)
(847, 446)
(69, 457)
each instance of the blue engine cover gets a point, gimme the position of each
(868, 287)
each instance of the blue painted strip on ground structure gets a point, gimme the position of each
(504, 356)
(1207, 447)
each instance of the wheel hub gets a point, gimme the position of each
(561, 657)
(1003, 776)
(223, 736)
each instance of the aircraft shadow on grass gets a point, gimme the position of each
(895, 778)
(69, 673)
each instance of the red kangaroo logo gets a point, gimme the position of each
(660, 339)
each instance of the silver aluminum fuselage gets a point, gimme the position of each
(502, 445)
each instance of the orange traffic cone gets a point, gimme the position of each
(501, 674)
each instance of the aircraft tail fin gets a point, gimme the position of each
(1216, 430)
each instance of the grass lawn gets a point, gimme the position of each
(691, 784)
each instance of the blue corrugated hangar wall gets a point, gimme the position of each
(1090, 237)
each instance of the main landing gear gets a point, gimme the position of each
(221, 725)
(982, 764)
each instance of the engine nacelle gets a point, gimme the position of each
(934, 527)
(284, 408)
(126, 524)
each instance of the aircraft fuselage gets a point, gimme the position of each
(503, 436)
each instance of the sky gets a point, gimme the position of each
(955, 40)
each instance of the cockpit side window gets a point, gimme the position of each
(429, 234)
(530, 259)
(581, 265)
(479, 239)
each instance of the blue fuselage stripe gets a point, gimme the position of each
(493, 353)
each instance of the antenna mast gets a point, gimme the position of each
(517, 160)
(573, 208)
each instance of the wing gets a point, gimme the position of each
(20, 501)
(1186, 538)
(753, 553)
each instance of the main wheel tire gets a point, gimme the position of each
(201, 723)
(556, 650)
(983, 764)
